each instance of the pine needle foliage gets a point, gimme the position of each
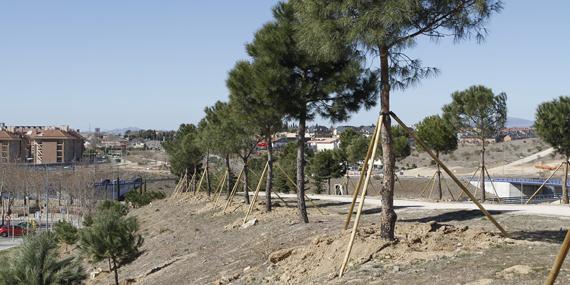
(36, 262)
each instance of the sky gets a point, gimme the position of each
(157, 64)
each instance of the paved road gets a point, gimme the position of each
(548, 210)
(6, 243)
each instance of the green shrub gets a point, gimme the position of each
(65, 232)
(37, 261)
(138, 199)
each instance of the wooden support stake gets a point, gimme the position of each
(559, 260)
(199, 187)
(256, 192)
(219, 188)
(431, 189)
(448, 189)
(433, 156)
(427, 186)
(544, 183)
(274, 192)
(472, 177)
(233, 192)
(297, 189)
(492, 184)
(362, 197)
(362, 175)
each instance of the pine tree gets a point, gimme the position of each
(253, 97)
(552, 124)
(36, 262)
(386, 29)
(111, 236)
(479, 111)
(308, 86)
(441, 137)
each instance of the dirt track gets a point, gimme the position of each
(189, 242)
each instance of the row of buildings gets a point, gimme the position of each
(321, 138)
(40, 144)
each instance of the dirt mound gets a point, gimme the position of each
(321, 259)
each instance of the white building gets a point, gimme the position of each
(320, 144)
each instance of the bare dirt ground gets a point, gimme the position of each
(188, 241)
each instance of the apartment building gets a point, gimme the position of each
(11, 146)
(41, 144)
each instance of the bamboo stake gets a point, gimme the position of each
(361, 178)
(296, 189)
(278, 196)
(544, 183)
(492, 184)
(219, 188)
(432, 187)
(426, 186)
(252, 204)
(558, 261)
(472, 177)
(199, 187)
(448, 189)
(473, 199)
(362, 197)
(234, 189)
(177, 187)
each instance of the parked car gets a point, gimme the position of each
(6, 231)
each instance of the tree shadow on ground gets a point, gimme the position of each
(550, 236)
(379, 209)
(461, 215)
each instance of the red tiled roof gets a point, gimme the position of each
(5, 135)
(51, 134)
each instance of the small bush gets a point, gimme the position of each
(65, 232)
(138, 199)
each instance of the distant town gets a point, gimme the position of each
(65, 145)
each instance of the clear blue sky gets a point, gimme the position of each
(156, 64)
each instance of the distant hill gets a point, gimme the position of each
(513, 122)
(123, 130)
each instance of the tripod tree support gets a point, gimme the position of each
(492, 184)
(362, 196)
(453, 177)
(219, 188)
(361, 178)
(199, 187)
(559, 260)
(469, 182)
(278, 196)
(449, 190)
(544, 183)
(234, 190)
(297, 189)
(426, 186)
(256, 192)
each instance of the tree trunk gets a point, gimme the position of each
(564, 182)
(208, 185)
(329, 184)
(116, 272)
(439, 191)
(388, 216)
(269, 180)
(229, 179)
(110, 267)
(301, 168)
(245, 181)
(482, 180)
